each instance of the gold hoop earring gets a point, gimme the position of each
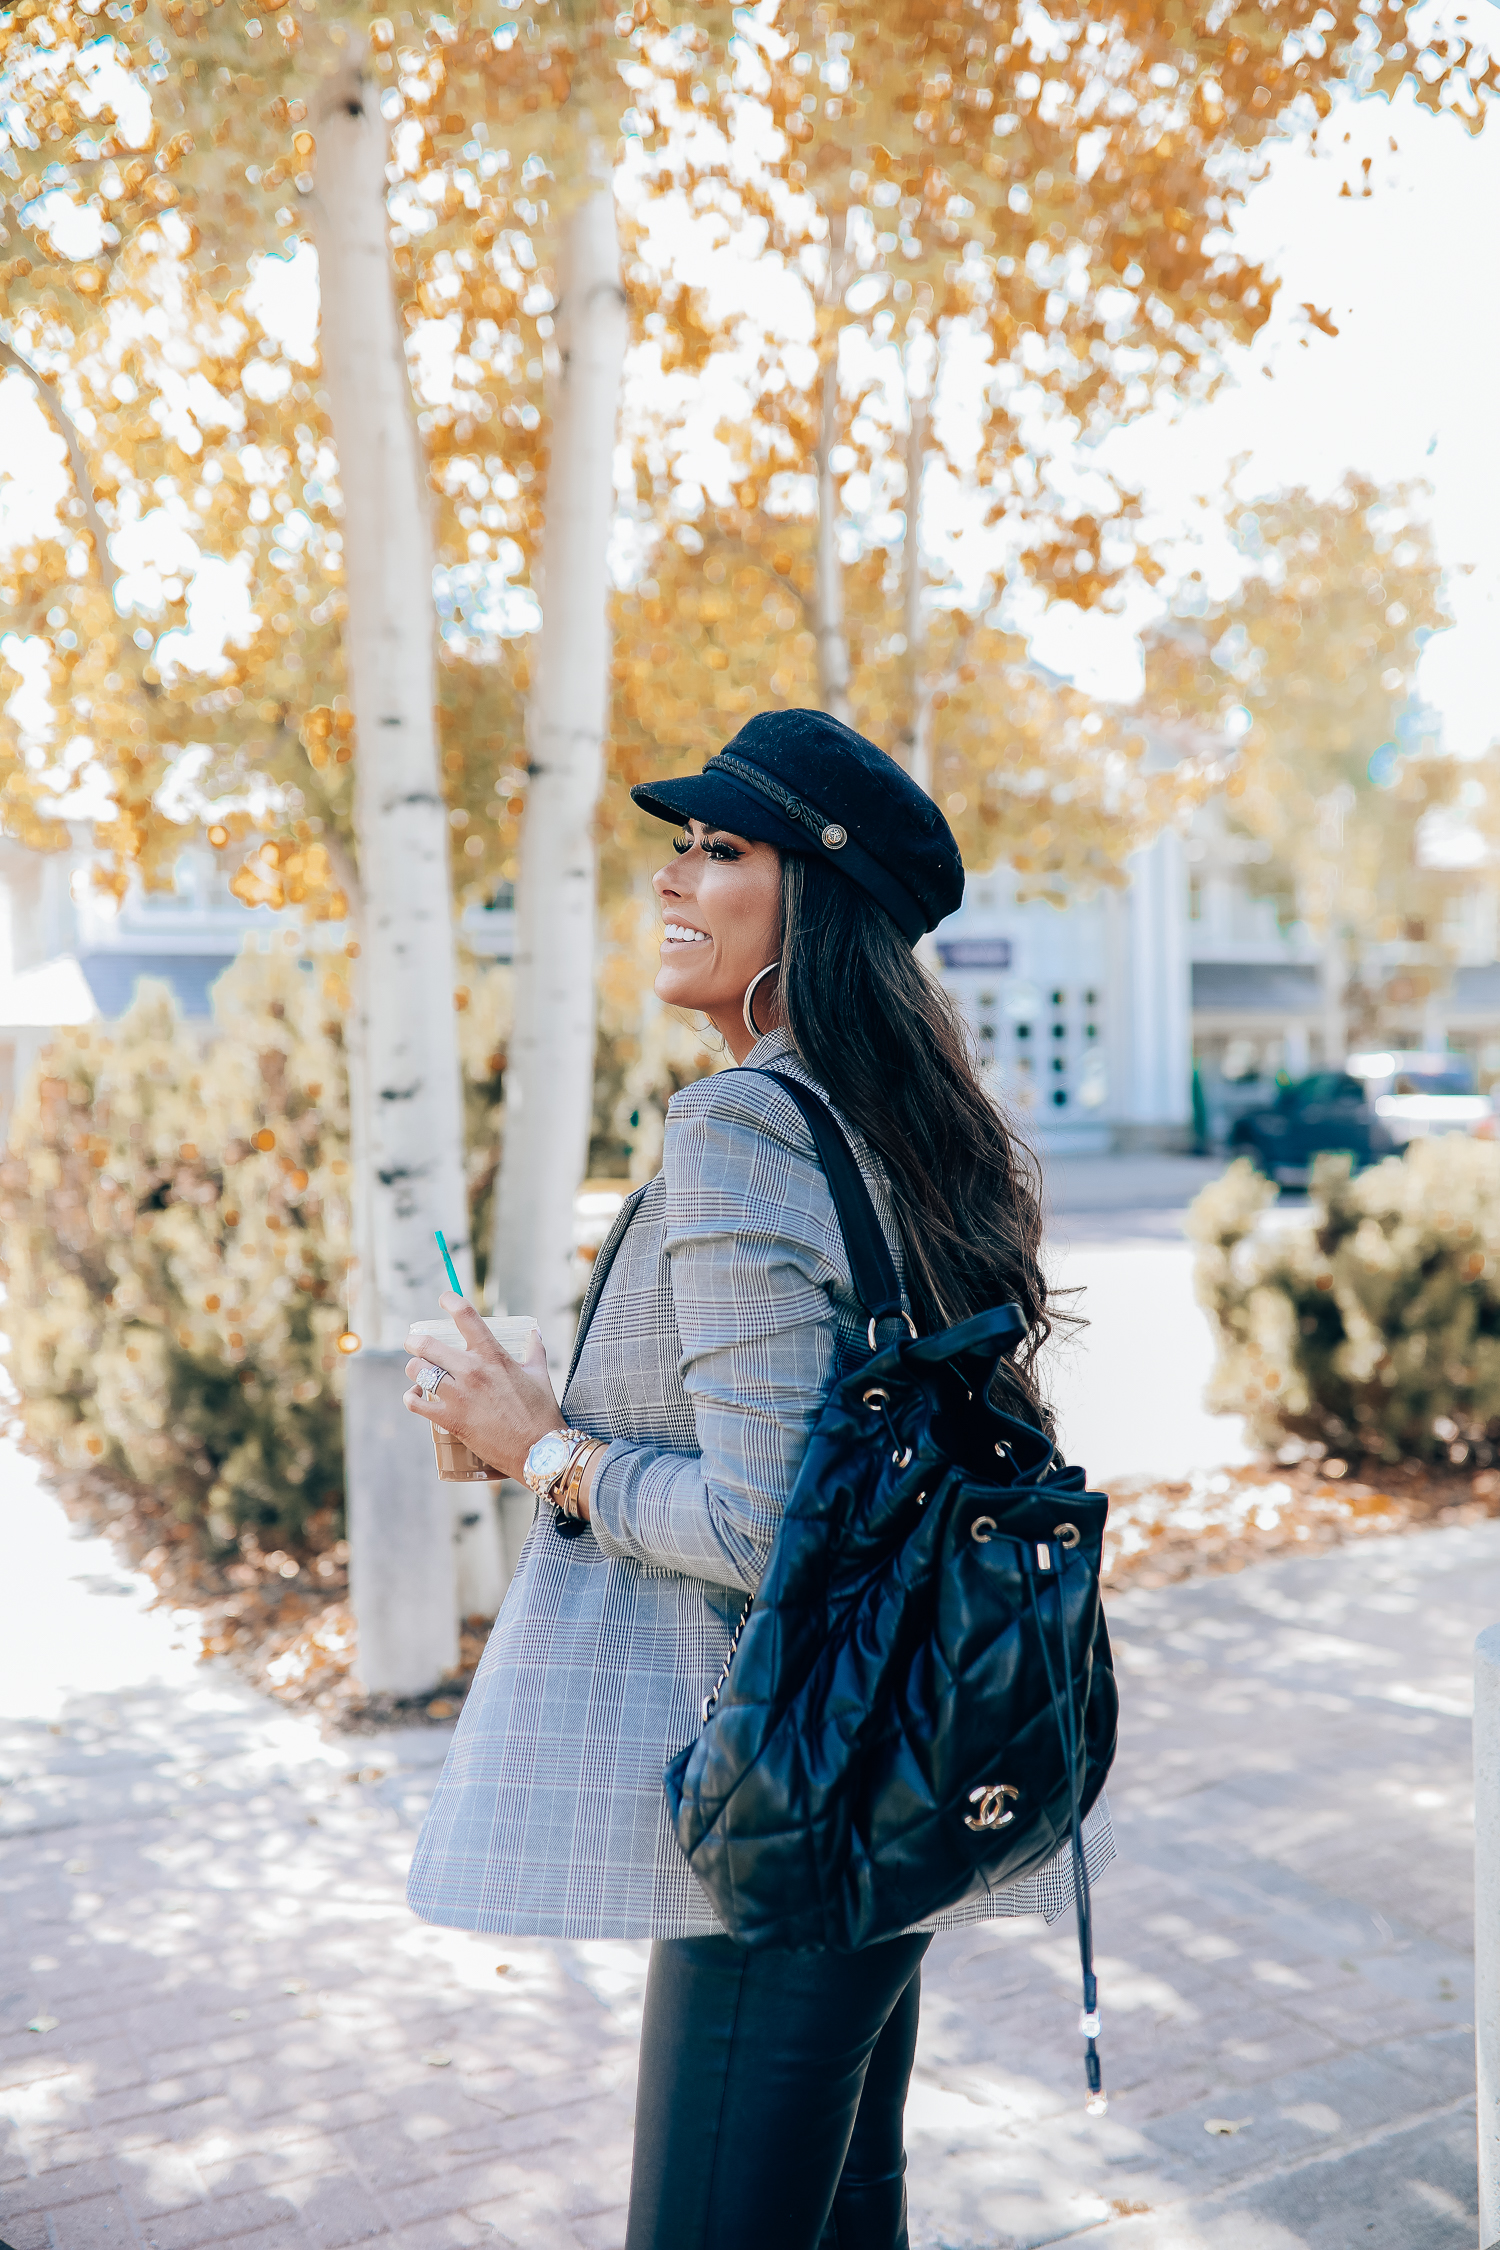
(749, 1011)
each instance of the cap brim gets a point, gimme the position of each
(719, 803)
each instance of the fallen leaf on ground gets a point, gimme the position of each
(1226, 2124)
(42, 2023)
(1162, 1529)
(436, 2058)
(502, 1968)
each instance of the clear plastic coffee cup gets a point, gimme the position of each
(456, 1464)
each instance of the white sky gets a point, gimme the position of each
(1406, 390)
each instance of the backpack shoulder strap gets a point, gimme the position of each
(871, 1265)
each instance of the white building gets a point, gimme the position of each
(1082, 1012)
(68, 956)
(1098, 1018)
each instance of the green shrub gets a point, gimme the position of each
(176, 1245)
(1372, 1326)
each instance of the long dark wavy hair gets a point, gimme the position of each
(889, 1045)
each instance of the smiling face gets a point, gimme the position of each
(721, 910)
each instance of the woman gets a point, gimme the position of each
(721, 1311)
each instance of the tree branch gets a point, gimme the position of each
(83, 483)
(828, 613)
(918, 761)
(753, 555)
(346, 875)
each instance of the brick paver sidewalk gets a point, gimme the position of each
(245, 2038)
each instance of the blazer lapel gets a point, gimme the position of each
(600, 1274)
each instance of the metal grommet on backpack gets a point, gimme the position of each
(919, 1705)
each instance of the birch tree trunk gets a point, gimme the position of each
(549, 1081)
(828, 592)
(1333, 812)
(362, 1307)
(408, 1126)
(406, 1114)
(916, 738)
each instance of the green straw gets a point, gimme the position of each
(448, 1262)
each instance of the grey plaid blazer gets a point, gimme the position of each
(722, 1311)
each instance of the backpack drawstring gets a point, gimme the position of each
(1062, 1711)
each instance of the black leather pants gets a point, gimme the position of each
(770, 2100)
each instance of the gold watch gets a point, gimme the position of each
(550, 1459)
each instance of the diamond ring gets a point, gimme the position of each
(430, 1379)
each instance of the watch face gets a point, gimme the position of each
(549, 1456)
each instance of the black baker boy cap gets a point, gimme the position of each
(807, 783)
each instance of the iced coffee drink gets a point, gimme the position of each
(455, 1463)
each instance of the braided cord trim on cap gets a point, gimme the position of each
(784, 799)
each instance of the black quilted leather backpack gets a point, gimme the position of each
(919, 1704)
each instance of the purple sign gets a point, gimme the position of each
(974, 952)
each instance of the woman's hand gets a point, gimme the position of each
(498, 1408)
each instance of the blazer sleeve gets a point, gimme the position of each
(753, 1250)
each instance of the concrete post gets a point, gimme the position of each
(402, 1581)
(1487, 1924)
(479, 1548)
(518, 1509)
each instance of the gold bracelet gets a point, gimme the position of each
(570, 1493)
(572, 1484)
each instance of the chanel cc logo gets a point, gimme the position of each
(992, 1812)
